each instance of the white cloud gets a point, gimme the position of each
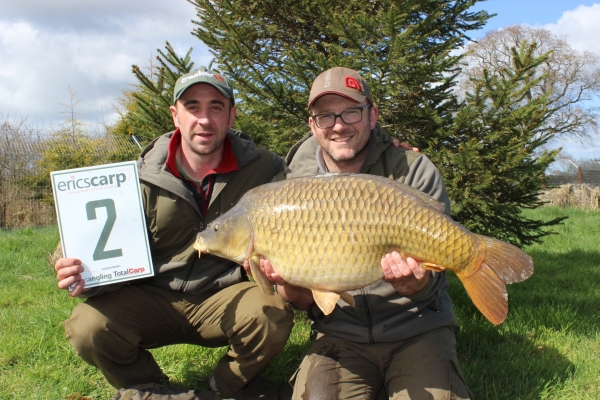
(581, 30)
(90, 46)
(580, 27)
(93, 15)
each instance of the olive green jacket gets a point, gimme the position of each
(173, 218)
(380, 313)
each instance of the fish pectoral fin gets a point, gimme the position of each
(258, 276)
(348, 298)
(432, 266)
(325, 300)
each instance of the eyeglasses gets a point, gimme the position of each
(349, 117)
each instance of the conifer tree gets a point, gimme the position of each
(486, 146)
(274, 49)
(145, 112)
(491, 159)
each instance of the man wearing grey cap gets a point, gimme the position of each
(398, 341)
(188, 178)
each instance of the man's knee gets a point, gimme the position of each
(88, 331)
(82, 326)
(270, 310)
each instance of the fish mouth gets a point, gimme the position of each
(199, 244)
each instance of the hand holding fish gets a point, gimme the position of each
(328, 234)
(267, 270)
(405, 274)
(301, 298)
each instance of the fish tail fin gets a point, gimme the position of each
(487, 292)
(509, 262)
(503, 263)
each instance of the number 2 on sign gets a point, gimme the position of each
(111, 217)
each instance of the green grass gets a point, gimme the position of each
(548, 347)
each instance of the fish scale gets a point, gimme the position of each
(373, 233)
(329, 233)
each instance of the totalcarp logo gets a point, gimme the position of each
(130, 271)
(92, 183)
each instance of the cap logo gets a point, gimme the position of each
(352, 83)
(327, 79)
(219, 77)
(197, 74)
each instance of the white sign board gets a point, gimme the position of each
(101, 222)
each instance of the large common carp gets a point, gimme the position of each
(329, 232)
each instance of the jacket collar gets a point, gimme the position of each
(153, 169)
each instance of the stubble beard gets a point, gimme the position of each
(347, 157)
(211, 150)
(352, 155)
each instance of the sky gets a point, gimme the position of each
(49, 48)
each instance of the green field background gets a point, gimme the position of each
(548, 347)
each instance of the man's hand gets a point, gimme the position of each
(267, 269)
(300, 298)
(272, 276)
(68, 272)
(405, 275)
(404, 145)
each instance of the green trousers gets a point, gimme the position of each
(424, 367)
(115, 330)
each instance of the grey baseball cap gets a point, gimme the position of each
(203, 75)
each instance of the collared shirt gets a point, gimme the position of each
(201, 190)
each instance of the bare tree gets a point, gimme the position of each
(74, 123)
(571, 78)
(589, 164)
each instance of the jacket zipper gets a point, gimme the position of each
(368, 312)
(186, 282)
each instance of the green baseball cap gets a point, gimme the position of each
(203, 75)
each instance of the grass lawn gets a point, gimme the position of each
(548, 347)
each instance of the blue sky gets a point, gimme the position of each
(46, 47)
(577, 20)
(530, 12)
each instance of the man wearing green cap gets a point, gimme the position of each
(399, 339)
(188, 178)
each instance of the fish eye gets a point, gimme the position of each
(216, 227)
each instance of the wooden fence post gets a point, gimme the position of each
(579, 175)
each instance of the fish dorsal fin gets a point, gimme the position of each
(258, 276)
(325, 300)
(348, 298)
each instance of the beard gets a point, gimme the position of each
(208, 150)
